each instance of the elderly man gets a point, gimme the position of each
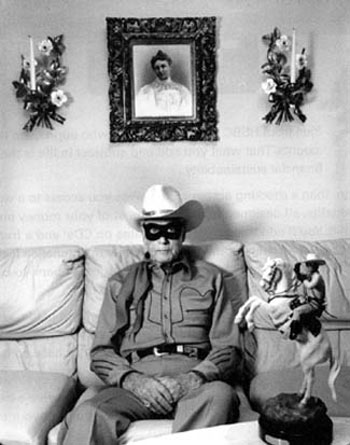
(163, 96)
(166, 345)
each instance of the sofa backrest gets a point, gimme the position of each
(46, 312)
(273, 352)
(41, 294)
(102, 262)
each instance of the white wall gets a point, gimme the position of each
(257, 182)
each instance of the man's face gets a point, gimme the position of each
(163, 239)
(162, 69)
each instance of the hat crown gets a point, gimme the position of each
(164, 202)
(160, 200)
(311, 257)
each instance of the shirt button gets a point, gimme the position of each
(166, 316)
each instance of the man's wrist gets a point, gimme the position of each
(128, 377)
(191, 380)
(199, 375)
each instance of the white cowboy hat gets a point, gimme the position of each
(311, 258)
(164, 202)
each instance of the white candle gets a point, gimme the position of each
(32, 65)
(292, 60)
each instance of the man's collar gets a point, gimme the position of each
(181, 263)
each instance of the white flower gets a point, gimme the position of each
(58, 98)
(45, 47)
(301, 61)
(283, 43)
(269, 86)
(26, 64)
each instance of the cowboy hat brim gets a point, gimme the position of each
(315, 261)
(191, 212)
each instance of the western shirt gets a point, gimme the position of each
(190, 303)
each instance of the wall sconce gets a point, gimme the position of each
(39, 84)
(285, 84)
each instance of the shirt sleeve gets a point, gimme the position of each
(105, 360)
(224, 359)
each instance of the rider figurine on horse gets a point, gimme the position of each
(307, 309)
(279, 280)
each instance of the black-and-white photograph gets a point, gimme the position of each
(175, 222)
(163, 81)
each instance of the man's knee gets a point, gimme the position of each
(84, 409)
(223, 398)
(221, 392)
(79, 423)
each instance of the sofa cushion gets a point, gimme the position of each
(41, 291)
(31, 403)
(48, 354)
(103, 261)
(336, 273)
(144, 429)
(269, 384)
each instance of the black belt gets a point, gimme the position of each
(158, 351)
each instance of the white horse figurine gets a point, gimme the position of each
(280, 283)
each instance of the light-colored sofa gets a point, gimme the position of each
(50, 299)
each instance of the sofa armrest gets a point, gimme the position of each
(32, 403)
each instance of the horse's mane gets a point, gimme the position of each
(286, 267)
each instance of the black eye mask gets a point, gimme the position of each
(154, 231)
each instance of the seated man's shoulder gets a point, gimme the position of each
(210, 268)
(121, 275)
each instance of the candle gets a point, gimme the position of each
(32, 65)
(292, 61)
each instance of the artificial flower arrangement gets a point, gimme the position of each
(285, 84)
(39, 84)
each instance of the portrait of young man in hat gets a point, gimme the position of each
(165, 345)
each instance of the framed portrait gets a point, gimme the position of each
(162, 75)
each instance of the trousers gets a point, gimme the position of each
(105, 417)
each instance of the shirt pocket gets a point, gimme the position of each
(153, 308)
(195, 307)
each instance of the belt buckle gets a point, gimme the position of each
(157, 353)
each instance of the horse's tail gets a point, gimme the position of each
(334, 368)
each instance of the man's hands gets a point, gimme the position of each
(160, 394)
(173, 386)
(189, 382)
(154, 394)
(182, 384)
